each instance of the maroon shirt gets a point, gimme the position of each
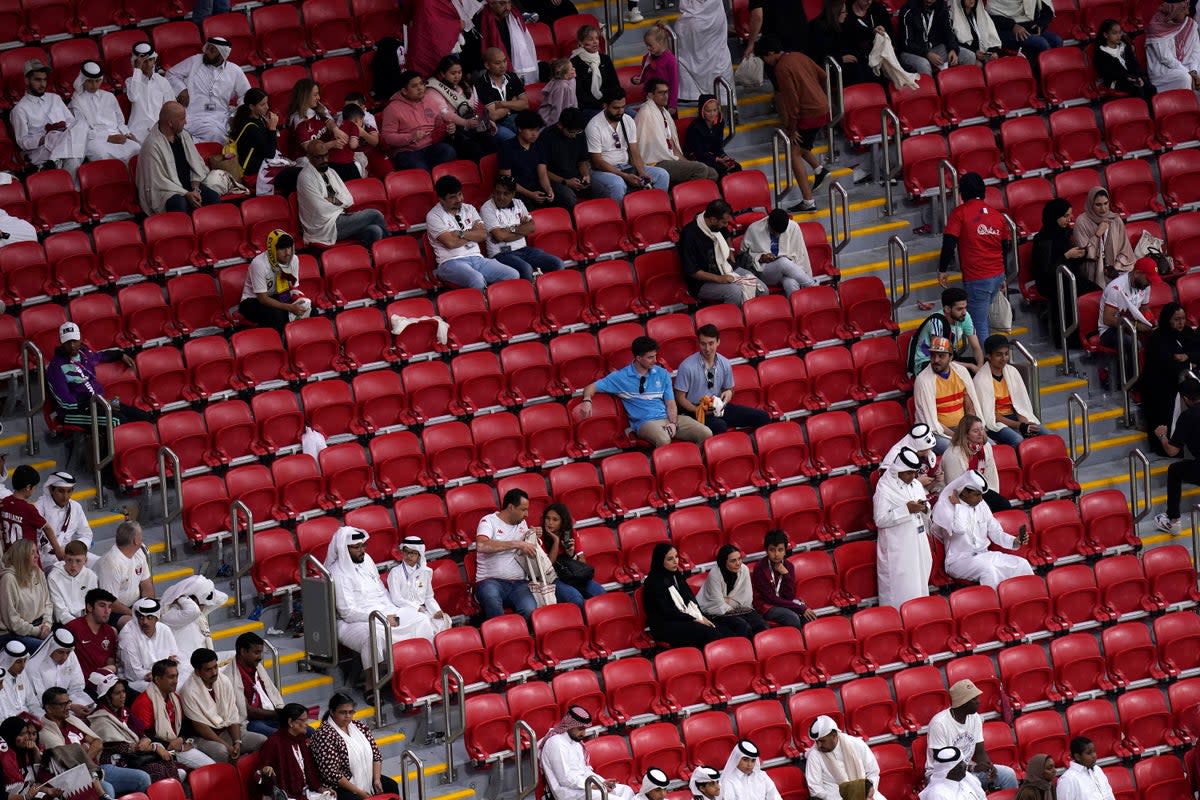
(93, 649)
(20, 520)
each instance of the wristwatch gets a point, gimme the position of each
(512, 229)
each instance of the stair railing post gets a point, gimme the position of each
(1127, 362)
(898, 254)
(591, 783)
(240, 569)
(30, 351)
(98, 462)
(721, 86)
(175, 481)
(947, 174)
(834, 90)
(1075, 403)
(1035, 378)
(452, 734)
(276, 667)
(782, 183)
(889, 136)
(1139, 486)
(841, 237)
(380, 678)
(406, 758)
(522, 731)
(1066, 281)
(1195, 538)
(1013, 266)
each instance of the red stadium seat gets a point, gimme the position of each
(862, 106)
(831, 647)
(819, 317)
(804, 708)
(920, 693)
(1161, 778)
(1132, 188)
(883, 423)
(422, 515)
(488, 726)
(330, 26)
(1066, 76)
(660, 282)
(921, 108)
(749, 194)
(1011, 86)
(601, 229)
(881, 638)
(930, 627)
(1177, 635)
(980, 618)
(847, 509)
(854, 564)
(1123, 586)
(1027, 676)
(1177, 116)
(278, 33)
(55, 200)
(680, 472)
(1128, 127)
(430, 391)
(783, 453)
(411, 194)
(466, 312)
(964, 94)
(106, 189)
(870, 709)
(609, 755)
(691, 197)
(683, 678)
(732, 463)
(921, 155)
(707, 735)
(816, 582)
(1130, 654)
(338, 76)
(1041, 732)
(1171, 574)
(676, 337)
(973, 149)
(559, 633)
(479, 380)
(136, 453)
(835, 444)
(1075, 595)
(658, 745)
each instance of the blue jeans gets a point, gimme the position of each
(180, 203)
(426, 158)
(566, 593)
(265, 727)
(1005, 778)
(528, 259)
(122, 780)
(367, 226)
(475, 272)
(1031, 47)
(493, 593)
(32, 643)
(1007, 436)
(941, 443)
(206, 8)
(979, 301)
(605, 184)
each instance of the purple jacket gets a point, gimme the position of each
(772, 589)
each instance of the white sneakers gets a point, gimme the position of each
(1166, 524)
(634, 15)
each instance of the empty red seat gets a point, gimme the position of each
(1171, 573)
(732, 463)
(1130, 654)
(921, 108)
(55, 200)
(922, 155)
(136, 452)
(963, 92)
(614, 624)
(1161, 778)
(1066, 75)
(1027, 676)
(1177, 116)
(1177, 635)
(658, 745)
(973, 149)
(920, 693)
(1128, 127)
(819, 316)
(831, 647)
(870, 709)
(1132, 188)
(1041, 732)
(1027, 145)
(1011, 86)
(660, 281)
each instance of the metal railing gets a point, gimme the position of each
(896, 244)
(1139, 485)
(610, 35)
(452, 734)
(719, 85)
(521, 732)
(240, 569)
(593, 782)
(309, 561)
(406, 758)
(781, 186)
(164, 454)
(841, 237)
(1035, 379)
(1127, 363)
(1012, 269)
(32, 409)
(276, 667)
(947, 174)
(836, 110)
(100, 462)
(378, 680)
(1074, 403)
(1195, 539)
(1066, 280)
(889, 137)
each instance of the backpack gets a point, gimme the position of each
(935, 325)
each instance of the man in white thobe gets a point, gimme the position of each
(565, 762)
(838, 758)
(185, 609)
(45, 130)
(14, 229)
(147, 90)
(654, 785)
(208, 85)
(410, 584)
(1173, 48)
(55, 664)
(949, 778)
(64, 516)
(965, 523)
(145, 642)
(1083, 780)
(743, 777)
(920, 440)
(16, 696)
(69, 581)
(705, 783)
(359, 591)
(960, 727)
(776, 244)
(903, 559)
(108, 135)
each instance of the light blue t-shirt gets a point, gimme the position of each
(644, 396)
(692, 378)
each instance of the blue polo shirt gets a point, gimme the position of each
(692, 377)
(643, 402)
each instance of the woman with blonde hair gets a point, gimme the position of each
(971, 449)
(26, 611)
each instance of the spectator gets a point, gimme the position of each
(410, 584)
(659, 63)
(965, 523)
(142, 645)
(124, 736)
(851, 29)
(1173, 48)
(71, 379)
(22, 520)
(903, 559)
(416, 126)
(45, 130)
(565, 762)
(14, 229)
(455, 230)
(1170, 351)
(1126, 296)
(974, 29)
(210, 706)
(54, 666)
(773, 580)
(960, 726)
(943, 392)
(124, 572)
(503, 34)
(559, 92)
(1003, 399)
(726, 596)
(670, 607)
(705, 138)
(949, 778)
(708, 374)
(259, 700)
(1040, 777)
(159, 711)
(1022, 26)
(500, 541)
(644, 388)
(26, 613)
(1083, 780)
(170, 172)
(508, 223)
(21, 758)
(576, 578)
(186, 605)
(803, 111)
(474, 133)
(64, 515)
(1101, 232)
(523, 160)
(1184, 434)
(654, 785)
(147, 90)
(270, 295)
(207, 83)
(325, 201)
(921, 441)
(1052, 246)
(501, 92)
(203, 9)
(595, 76)
(360, 591)
(60, 727)
(69, 581)
(363, 142)
(1117, 64)
(96, 639)
(705, 783)
(313, 129)
(743, 776)
(981, 236)
(779, 18)
(837, 759)
(659, 138)
(567, 162)
(778, 251)
(346, 755)
(287, 759)
(954, 323)
(617, 165)
(927, 40)
(708, 265)
(702, 48)
(96, 109)
(16, 698)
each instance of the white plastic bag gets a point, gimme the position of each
(1000, 313)
(312, 443)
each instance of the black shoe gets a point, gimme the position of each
(820, 177)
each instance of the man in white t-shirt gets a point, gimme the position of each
(455, 231)
(960, 726)
(65, 516)
(1083, 780)
(508, 222)
(501, 546)
(617, 165)
(124, 572)
(1127, 296)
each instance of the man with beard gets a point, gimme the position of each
(324, 200)
(564, 761)
(170, 171)
(160, 712)
(145, 643)
(207, 84)
(47, 133)
(612, 141)
(455, 231)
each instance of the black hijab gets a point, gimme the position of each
(722, 557)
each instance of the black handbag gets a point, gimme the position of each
(574, 572)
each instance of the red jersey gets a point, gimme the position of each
(980, 229)
(94, 650)
(20, 520)
(143, 710)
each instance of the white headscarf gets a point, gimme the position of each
(15, 691)
(920, 440)
(222, 45)
(198, 586)
(338, 561)
(822, 726)
(655, 779)
(44, 673)
(415, 543)
(943, 510)
(944, 760)
(743, 749)
(103, 681)
(703, 774)
(88, 71)
(988, 38)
